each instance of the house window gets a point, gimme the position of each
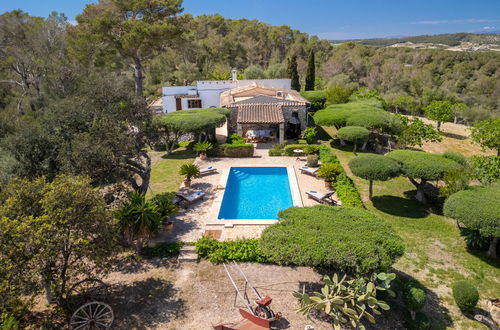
(194, 104)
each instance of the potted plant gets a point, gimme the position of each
(168, 225)
(189, 171)
(329, 172)
(312, 160)
(202, 148)
(166, 207)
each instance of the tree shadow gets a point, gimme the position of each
(455, 136)
(143, 304)
(398, 206)
(482, 256)
(180, 154)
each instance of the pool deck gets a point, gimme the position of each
(201, 217)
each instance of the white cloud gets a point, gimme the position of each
(470, 20)
(488, 28)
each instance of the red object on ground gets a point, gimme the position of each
(251, 322)
(265, 301)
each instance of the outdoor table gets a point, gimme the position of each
(298, 151)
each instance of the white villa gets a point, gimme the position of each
(268, 108)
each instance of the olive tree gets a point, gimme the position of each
(53, 235)
(477, 208)
(487, 134)
(439, 111)
(353, 134)
(374, 167)
(422, 166)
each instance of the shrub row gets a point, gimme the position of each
(344, 186)
(242, 250)
(237, 150)
(289, 148)
(162, 250)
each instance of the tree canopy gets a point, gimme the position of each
(477, 208)
(487, 134)
(424, 166)
(353, 134)
(344, 239)
(439, 111)
(374, 167)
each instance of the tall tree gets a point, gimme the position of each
(487, 134)
(310, 72)
(439, 111)
(137, 30)
(293, 73)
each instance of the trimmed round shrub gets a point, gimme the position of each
(477, 208)
(195, 120)
(373, 120)
(374, 167)
(332, 117)
(317, 99)
(414, 298)
(466, 296)
(344, 239)
(423, 165)
(354, 134)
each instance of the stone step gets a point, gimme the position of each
(188, 248)
(188, 253)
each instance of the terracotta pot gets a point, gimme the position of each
(167, 226)
(187, 183)
(203, 156)
(328, 184)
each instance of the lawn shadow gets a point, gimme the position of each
(144, 304)
(180, 154)
(482, 256)
(398, 206)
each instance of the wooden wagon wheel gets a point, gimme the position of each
(92, 316)
(85, 291)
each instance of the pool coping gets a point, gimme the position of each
(214, 211)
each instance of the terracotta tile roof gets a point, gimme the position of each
(263, 113)
(255, 89)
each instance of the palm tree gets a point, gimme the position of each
(189, 171)
(139, 219)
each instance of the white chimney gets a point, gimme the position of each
(234, 74)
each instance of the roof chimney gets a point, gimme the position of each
(234, 74)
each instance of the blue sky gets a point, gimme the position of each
(331, 19)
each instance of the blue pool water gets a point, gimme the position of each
(256, 193)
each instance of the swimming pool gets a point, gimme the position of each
(256, 193)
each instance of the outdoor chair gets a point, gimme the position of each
(323, 198)
(186, 200)
(207, 170)
(309, 170)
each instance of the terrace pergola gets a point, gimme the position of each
(266, 114)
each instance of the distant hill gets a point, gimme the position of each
(451, 40)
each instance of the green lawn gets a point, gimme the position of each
(435, 255)
(164, 173)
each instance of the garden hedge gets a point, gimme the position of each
(242, 250)
(344, 239)
(289, 148)
(237, 150)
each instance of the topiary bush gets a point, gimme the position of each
(456, 156)
(374, 167)
(238, 150)
(414, 298)
(354, 134)
(242, 250)
(466, 296)
(343, 239)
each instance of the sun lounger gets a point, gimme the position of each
(309, 170)
(323, 198)
(188, 199)
(207, 170)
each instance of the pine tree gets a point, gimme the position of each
(310, 72)
(292, 72)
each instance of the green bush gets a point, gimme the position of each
(288, 149)
(337, 94)
(9, 322)
(277, 150)
(414, 298)
(474, 240)
(164, 203)
(330, 171)
(466, 296)
(458, 157)
(162, 250)
(421, 321)
(311, 149)
(238, 150)
(353, 134)
(312, 160)
(317, 99)
(242, 250)
(326, 155)
(235, 138)
(309, 135)
(349, 240)
(486, 168)
(347, 192)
